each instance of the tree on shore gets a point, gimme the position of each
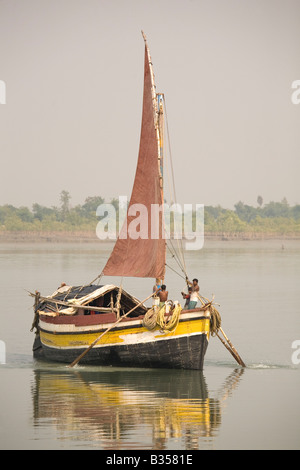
(90, 205)
(65, 203)
(260, 201)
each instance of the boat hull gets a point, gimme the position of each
(129, 344)
(164, 354)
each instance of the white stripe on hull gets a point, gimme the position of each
(129, 339)
(71, 328)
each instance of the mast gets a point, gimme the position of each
(160, 127)
(161, 136)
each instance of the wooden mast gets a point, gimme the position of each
(161, 137)
(160, 125)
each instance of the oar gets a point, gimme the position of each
(228, 346)
(106, 331)
(232, 349)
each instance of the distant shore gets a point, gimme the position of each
(91, 237)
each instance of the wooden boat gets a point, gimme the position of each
(129, 334)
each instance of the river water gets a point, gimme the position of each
(48, 406)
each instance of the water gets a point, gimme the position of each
(48, 406)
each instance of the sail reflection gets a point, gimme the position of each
(130, 409)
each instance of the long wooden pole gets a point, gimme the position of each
(67, 304)
(228, 346)
(106, 331)
(233, 350)
(230, 350)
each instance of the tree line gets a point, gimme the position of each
(270, 217)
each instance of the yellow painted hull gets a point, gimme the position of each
(129, 343)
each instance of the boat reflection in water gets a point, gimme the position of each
(125, 409)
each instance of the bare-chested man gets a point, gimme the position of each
(163, 295)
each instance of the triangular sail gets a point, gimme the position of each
(145, 255)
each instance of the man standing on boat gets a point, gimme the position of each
(187, 297)
(163, 295)
(194, 294)
(157, 286)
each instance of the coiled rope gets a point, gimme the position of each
(215, 320)
(158, 317)
(215, 317)
(169, 323)
(150, 319)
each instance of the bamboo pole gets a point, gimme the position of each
(228, 346)
(118, 304)
(203, 303)
(35, 322)
(111, 300)
(67, 304)
(106, 331)
(229, 349)
(238, 357)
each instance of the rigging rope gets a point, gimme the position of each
(181, 262)
(176, 272)
(174, 255)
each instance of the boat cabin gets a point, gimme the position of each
(90, 300)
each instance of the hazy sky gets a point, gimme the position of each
(73, 71)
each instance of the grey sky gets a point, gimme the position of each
(73, 71)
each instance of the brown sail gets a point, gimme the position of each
(140, 249)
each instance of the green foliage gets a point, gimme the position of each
(40, 212)
(90, 205)
(245, 212)
(275, 217)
